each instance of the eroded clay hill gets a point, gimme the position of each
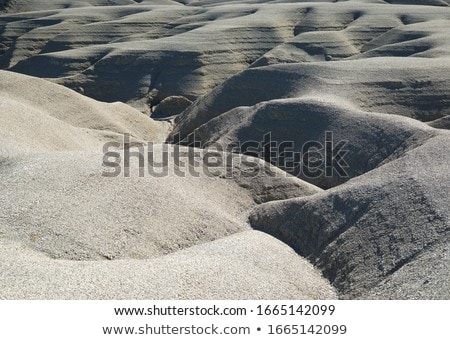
(79, 74)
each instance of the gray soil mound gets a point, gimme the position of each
(359, 89)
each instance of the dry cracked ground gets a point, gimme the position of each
(78, 74)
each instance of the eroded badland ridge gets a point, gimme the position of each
(77, 75)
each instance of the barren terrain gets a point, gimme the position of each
(79, 75)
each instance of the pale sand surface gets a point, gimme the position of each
(248, 265)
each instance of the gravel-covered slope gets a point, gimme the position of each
(371, 73)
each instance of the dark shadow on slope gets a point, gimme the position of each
(365, 231)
